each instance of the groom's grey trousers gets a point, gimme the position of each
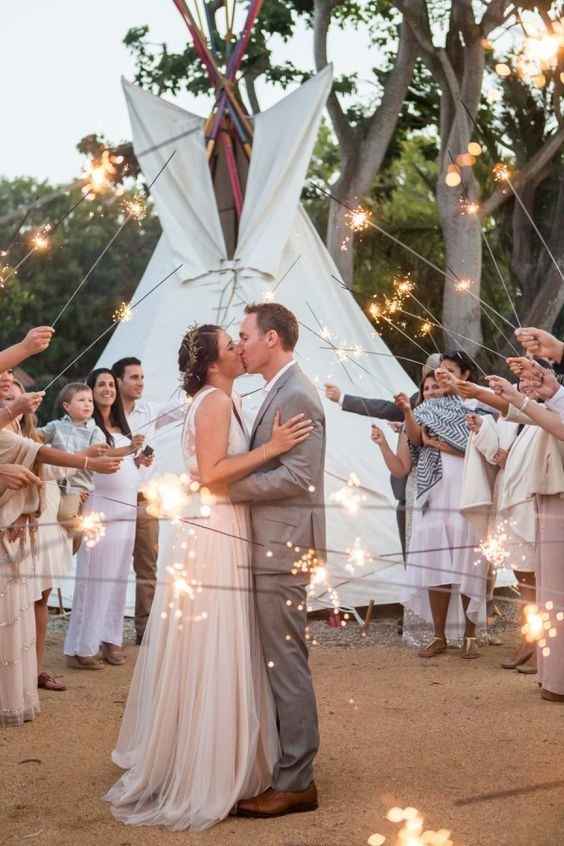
(288, 520)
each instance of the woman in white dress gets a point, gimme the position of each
(199, 730)
(102, 571)
(446, 577)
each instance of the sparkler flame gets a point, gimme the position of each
(167, 496)
(501, 172)
(349, 496)
(92, 527)
(411, 832)
(359, 218)
(425, 329)
(123, 313)
(7, 272)
(494, 547)
(99, 173)
(40, 240)
(468, 207)
(135, 208)
(463, 285)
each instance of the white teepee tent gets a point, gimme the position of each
(278, 255)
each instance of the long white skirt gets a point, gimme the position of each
(19, 700)
(199, 730)
(54, 559)
(100, 590)
(443, 551)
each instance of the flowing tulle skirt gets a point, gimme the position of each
(199, 730)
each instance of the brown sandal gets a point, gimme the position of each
(470, 648)
(112, 654)
(45, 681)
(435, 647)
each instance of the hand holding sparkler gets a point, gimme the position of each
(95, 451)
(14, 477)
(332, 392)
(540, 343)
(37, 340)
(535, 378)
(402, 402)
(504, 389)
(447, 380)
(104, 465)
(377, 436)
(25, 404)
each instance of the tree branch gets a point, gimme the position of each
(321, 24)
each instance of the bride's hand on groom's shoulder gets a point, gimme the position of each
(285, 436)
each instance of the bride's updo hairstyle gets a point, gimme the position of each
(199, 349)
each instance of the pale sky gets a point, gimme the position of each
(61, 63)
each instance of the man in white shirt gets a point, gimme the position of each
(144, 418)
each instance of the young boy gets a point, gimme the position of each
(74, 432)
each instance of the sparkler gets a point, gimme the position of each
(92, 527)
(110, 327)
(359, 219)
(392, 306)
(502, 175)
(358, 557)
(135, 208)
(40, 240)
(122, 313)
(350, 497)
(167, 496)
(99, 174)
(411, 832)
(540, 625)
(494, 547)
(7, 272)
(133, 214)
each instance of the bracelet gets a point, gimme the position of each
(85, 465)
(524, 404)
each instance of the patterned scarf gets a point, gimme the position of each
(444, 418)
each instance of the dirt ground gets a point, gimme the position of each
(472, 747)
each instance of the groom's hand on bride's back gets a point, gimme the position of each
(285, 436)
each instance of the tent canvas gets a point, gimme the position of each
(278, 256)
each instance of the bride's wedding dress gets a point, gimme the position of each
(199, 730)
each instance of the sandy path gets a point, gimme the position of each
(430, 734)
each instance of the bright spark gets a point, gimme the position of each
(359, 219)
(123, 313)
(92, 527)
(167, 496)
(135, 208)
(501, 172)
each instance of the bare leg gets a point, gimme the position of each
(41, 620)
(469, 627)
(525, 650)
(439, 599)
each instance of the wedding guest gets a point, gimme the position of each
(54, 546)
(18, 559)
(99, 599)
(384, 410)
(506, 446)
(548, 485)
(442, 559)
(146, 417)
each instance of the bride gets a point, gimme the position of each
(199, 729)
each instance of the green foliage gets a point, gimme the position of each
(47, 279)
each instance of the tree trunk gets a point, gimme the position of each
(463, 260)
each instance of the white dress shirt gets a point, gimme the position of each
(146, 418)
(269, 385)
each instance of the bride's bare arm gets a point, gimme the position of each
(215, 467)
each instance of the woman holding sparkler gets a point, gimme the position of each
(441, 558)
(100, 591)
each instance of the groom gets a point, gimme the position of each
(288, 521)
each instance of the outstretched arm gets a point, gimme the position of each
(399, 464)
(295, 475)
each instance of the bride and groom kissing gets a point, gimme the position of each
(221, 716)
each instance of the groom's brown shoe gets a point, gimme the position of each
(274, 803)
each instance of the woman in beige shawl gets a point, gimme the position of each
(18, 509)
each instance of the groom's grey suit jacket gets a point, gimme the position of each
(287, 494)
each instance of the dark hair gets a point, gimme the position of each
(119, 368)
(276, 317)
(199, 349)
(429, 375)
(71, 390)
(117, 414)
(461, 358)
